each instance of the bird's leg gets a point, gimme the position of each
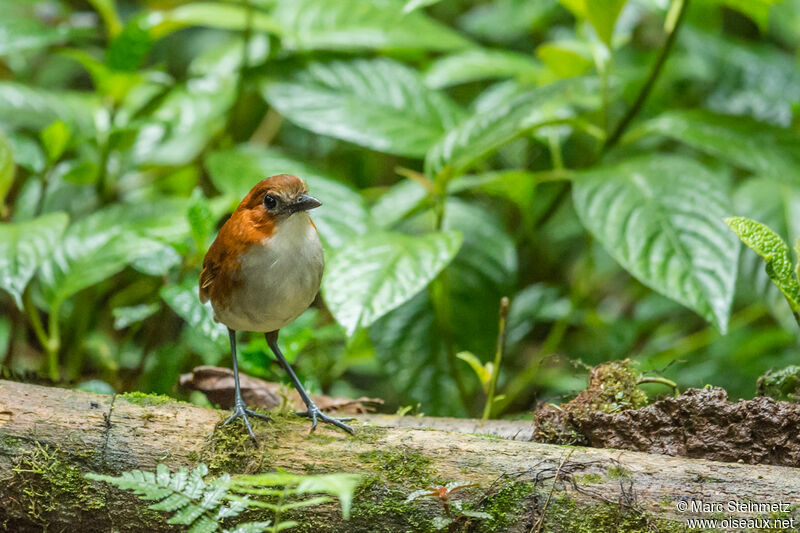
(240, 410)
(313, 412)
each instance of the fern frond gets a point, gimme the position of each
(193, 502)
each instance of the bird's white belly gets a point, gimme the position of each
(279, 279)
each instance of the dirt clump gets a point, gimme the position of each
(700, 424)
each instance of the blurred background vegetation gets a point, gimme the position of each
(576, 156)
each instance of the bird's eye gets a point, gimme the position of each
(270, 202)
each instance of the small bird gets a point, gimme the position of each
(262, 271)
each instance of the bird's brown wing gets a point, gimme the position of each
(207, 276)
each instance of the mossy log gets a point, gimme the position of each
(50, 437)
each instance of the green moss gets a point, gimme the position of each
(613, 387)
(564, 515)
(146, 399)
(505, 506)
(368, 433)
(229, 449)
(381, 509)
(783, 384)
(399, 464)
(588, 479)
(43, 481)
(617, 472)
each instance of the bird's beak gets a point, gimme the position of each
(305, 202)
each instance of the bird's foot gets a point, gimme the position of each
(314, 413)
(240, 410)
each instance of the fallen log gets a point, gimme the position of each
(50, 437)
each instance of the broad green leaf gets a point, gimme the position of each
(770, 151)
(225, 59)
(535, 303)
(603, 14)
(342, 215)
(375, 273)
(774, 251)
(55, 139)
(23, 106)
(7, 169)
(212, 15)
(185, 301)
(18, 34)
(483, 271)
(484, 132)
(661, 217)
(379, 103)
(506, 21)
(130, 48)
(361, 24)
(113, 84)
(24, 246)
(129, 315)
(397, 202)
(413, 5)
(184, 122)
(90, 252)
(480, 64)
(27, 152)
(412, 353)
(776, 205)
(742, 77)
(566, 59)
(757, 10)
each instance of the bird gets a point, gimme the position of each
(262, 271)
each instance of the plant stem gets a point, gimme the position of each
(43, 193)
(498, 357)
(663, 381)
(528, 374)
(647, 88)
(50, 342)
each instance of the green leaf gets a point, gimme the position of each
(7, 169)
(21, 34)
(342, 486)
(129, 49)
(410, 348)
(603, 14)
(22, 106)
(484, 132)
(379, 103)
(484, 372)
(107, 10)
(757, 10)
(92, 249)
(212, 15)
(185, 301)
(774, 251)
(184, 122)
(768, 150)
(413, 5)
(661, 217)
(113, 84)
(55, 139)
(24, 246)
(361, 24)
(236, 171)
(129, 315)
(566, 59)
(506, 21)
(378, 272)
(776, 205)
(480, 64)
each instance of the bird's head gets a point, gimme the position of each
(276, 198)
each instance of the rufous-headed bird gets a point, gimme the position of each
(262, 271)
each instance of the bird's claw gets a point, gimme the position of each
(315, 413)
(241, 411)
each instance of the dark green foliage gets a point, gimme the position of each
(578, 160)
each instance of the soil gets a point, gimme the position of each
(700, 424)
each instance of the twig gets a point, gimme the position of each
(538, 526)
(647, 88)
(498, 357)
